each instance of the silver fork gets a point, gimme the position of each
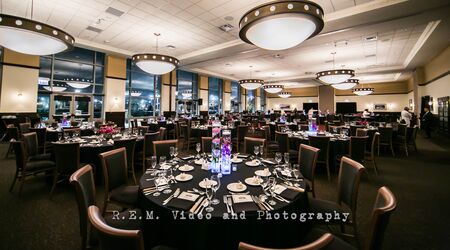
(176, 193)
(226, 203)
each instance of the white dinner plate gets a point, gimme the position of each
(236, 160)
(262, 173)
(252, 181)
(253, 163)
(186, 168)
(236, 187)
(199, 161)
(183, 177)
(165, 167)
(203, 184)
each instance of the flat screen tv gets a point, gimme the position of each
(308, 105)
(346, 107)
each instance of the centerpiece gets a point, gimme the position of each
(215, 147)
(226, 152)
(106, 131)
(312, 125)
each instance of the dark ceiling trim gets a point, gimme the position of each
(117, 78)
(20, 65)
(436, 78)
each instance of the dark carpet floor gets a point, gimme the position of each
(420, 183)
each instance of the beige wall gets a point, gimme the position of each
(395, 103)
(385, 88)
(436, 89)
(295, 102)
(165, 100)
(203, 94)
(17, 58)
(437, 66)
(326, 98)
(114, 95)
(16, 81)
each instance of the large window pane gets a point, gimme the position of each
(100, 59)
(235, 96)
(251, 102)
(43, 106)
(98, 106)
(45, 72)
(99, 75)
(215, 95)
(142, 93)
(77, 55)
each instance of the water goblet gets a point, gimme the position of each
(171, 152)
(215, 183)
(209, 194)
(198, 148)
(154, 161)
(162, 160)
(175, 152)
(256, 150)
(286, 158)
(272, 184)
(278, 158)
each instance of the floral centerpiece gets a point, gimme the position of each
(215, 148)
(106, 131)
(312, 125)
(226, 152)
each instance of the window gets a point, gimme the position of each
(43, 106)
(263, 100)
(143, 92)
(235, 96)
(186, 85)
(215, 95)
(251, 101)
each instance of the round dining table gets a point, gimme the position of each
(219, 229)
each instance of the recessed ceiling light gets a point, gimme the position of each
(171, 47)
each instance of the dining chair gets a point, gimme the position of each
(322, 143)
(162, 133)
(83, 182)
(147, 150)
(67, 160)
(115, 174)
(412, 137)
(357, 148)
(304, 127)
(188, 138)
(31, 144)
(41, 138)
(354, 128)
(162, 148)
(206, 144)
(321, 243)
(24, 128)
(307, 159)
(402, 137)
(13, 135)
(281, 127)
(333, 128)
(142, 130)
(348, 186)
(250, 143)
(386, 139)
(272, 145)
(242, 131)
(129, 145)
(361, 132)
(370, 155)
(284, 146)
(26, 168)
(112, 238)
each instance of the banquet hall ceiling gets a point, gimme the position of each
(381, 39)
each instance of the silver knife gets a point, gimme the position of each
(258, 203)
(202, 206)
(226, 203)
(230, 202)
(176, 193)
(197, 203)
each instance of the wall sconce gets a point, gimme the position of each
(310, 100)
(346, 100)
(19, 95)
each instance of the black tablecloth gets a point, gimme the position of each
(218, 233)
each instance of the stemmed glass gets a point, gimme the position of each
(296, 170)
(162, 160)
(175, 152)
(198, 148)
(278, 158)
(154, 161)
(272, 184)
(209, 194)
(215, 183)
(264, 183)
(171, 152)
(261, 151)
(256, 150)
(59, 136)
(286, 159)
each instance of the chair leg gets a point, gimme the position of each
(22, 182)
(8, 151)
(14, 181)
(392, 149)
(55, 179)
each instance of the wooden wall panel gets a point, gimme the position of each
(227, 86)
(203, 82)
(326, 98)
(438, 66)
(16, 58)
(300, 92)
(384, 88)
(116, 67)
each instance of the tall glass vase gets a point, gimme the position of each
(226, 152)
(312, 124)
(215, 149)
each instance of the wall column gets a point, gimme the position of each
(326, 98)
(115, 87)
(19, 83)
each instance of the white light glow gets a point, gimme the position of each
(78, 85)
(28, 42)
(334, 79)
(273, 88)
(344, 85)
(284, 95)
(251, 85)
(282, 32)
(363, 92)
(55, 89)
(155, 67)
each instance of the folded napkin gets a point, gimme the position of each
(287, 193)
(187, 158)
(243, 202)
(184, 201)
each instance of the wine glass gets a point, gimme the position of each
(215, 183)
(198, 148)
(154, 161)
(171, 152)
(59, 136)
(264, 183)
(271, 185)
(286, 159)
(175, 152)
(256, 150)
(162, 160)
(209, 194)
(296, 170)
(261, 151)
(278, 158)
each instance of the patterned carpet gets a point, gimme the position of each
(419, 181)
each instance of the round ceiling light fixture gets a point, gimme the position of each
(251, 84)
(349, 84)
(281, 25)
(363, 91)
(335, 76)
(78, 83)
(155, 63)
(284, 94)
(27, 36)
(272, 88)
(55, 88)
